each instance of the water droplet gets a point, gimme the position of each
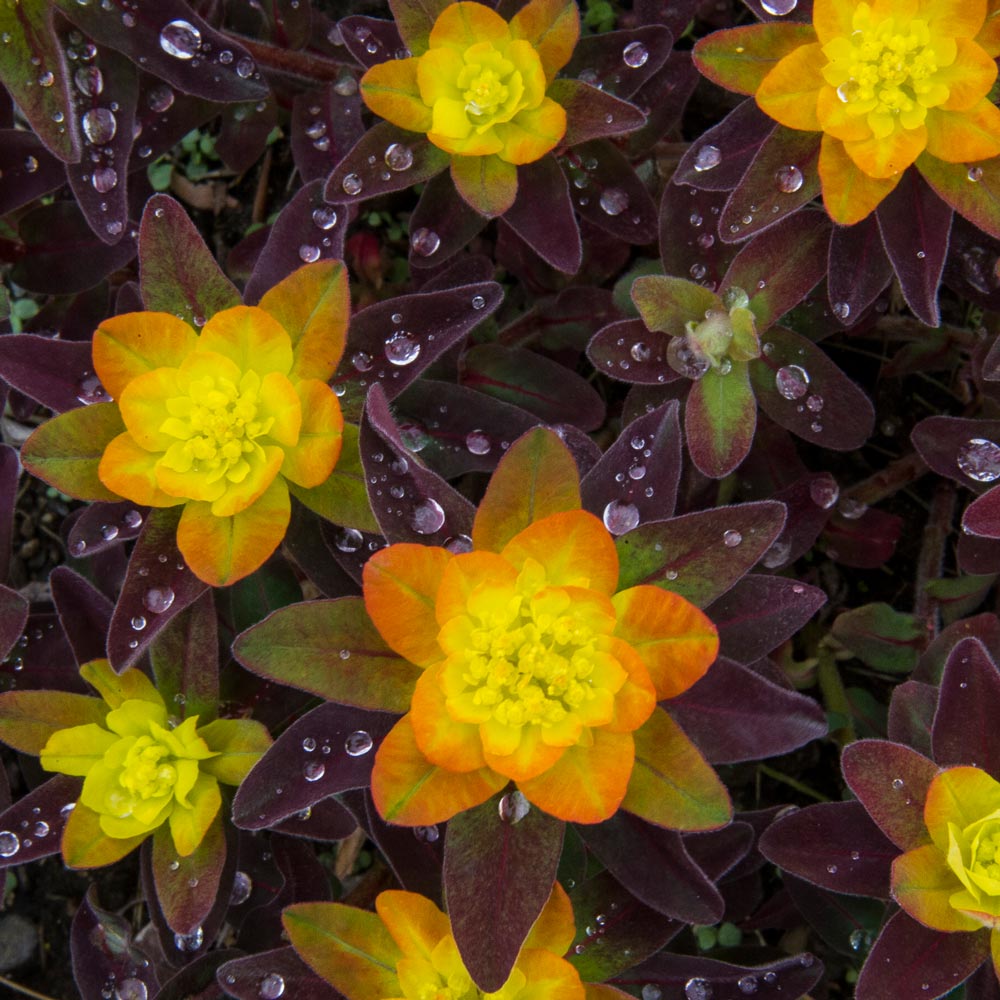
(271, 986)
(789, 179)
(425, 242)
(975, 174)
(478, 302)
(651, 992)
(791, 381)
(104, 179)
(513, 807)
(190, 942)
(427, 517)
(770, 977)
(427, 834)
(620, 517)
(325, 217)
(89, 80)
(349, 540)
(131, 989)
(707, 158)
(685, 360)
(313, 770)
(180, 39)
(158, 599)
(402, 348)
(832, 869)
(398, 157)
(779, 8)
(697, 271)
(635, 54)
(856, 939)
(99, 125)
(41, 829)
(160, 99)
(824, 491)
(747, 984)
(842, 310)
(9, 844)
(138, 623)
(852, 509)
(731, 538)
(244, 68)
(815, 403)
(358, 744)
(109, 532)
(46, 79)
(477, 442)
(637, 472)
(698, 989)
(308, 253)
(242, 887)
(979, 459)
(352, 184)
(225, 57)
(613, 201)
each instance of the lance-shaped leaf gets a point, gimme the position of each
(735, 714)
(592, 113)
(760, 613)
(29, 169)
(158, 586)
(486, 183)
(642, 468)
(326, 820)
(781, 179)
(858, 268)
(325, 125)
(978, 200)
(667, 304)
(779, 268)
(543, 215)
(740, 58)
(33, 826)
(911, 715)
(370, 40)
(915, 225)
(835, 845)
(701, 555)
(630, 352)
(719, 420)
(103, 525)
(968, 703)
(800, 388)
(242, 977)
(84, 612)
(885, 639)
(303, 646)
(415, 19)
(653, 864)
(177, 273)
(620, 62)
(42, 658)
(910, 961)
(848, 924)
(666, 95)
(13, 617)
(186, 888)
(865, 542)
(391, 343)
(982, 516)
(963, 450)
(56, 373)
(891, 781)
(165, 117)
(688, 234)
(441, 224)
(672, 785)
(499, 867)
(328, 750)
(244, 132)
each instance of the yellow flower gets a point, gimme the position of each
(407, 949)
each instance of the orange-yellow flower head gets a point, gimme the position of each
(479, 88)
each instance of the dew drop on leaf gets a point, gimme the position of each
(180, 39)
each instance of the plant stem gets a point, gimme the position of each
(24, 990)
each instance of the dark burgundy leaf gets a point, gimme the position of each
(13, 618)
(27, 169)
(654, 865)
(196, 981)
(971, 268)
(562, 325)
(835, 845)
(350, 548)
(307, 229)
(864, 542)
(641, 468)
(664, 99)
(306, 544)
(441, 224)
(33, 826)
(858, 268)
(326, 820)
(42, 657)
(735, 714)
(983, 983)
(913, 962)
(242, 977)
(84, 612)
(329, 749)
(499, 868)
(56, 373)
(10, 470)
(164, 117)
(592, 113)
(102, 525)
(911, 715)
(325, 125)
(627, 351)
(760, 613)
(689, 242)
(961, 449)
(620, 62)
(982, 516)
(847, 923)
(977, 555)
(157, 587)
(243, 135)
(915, 224)
(369, 39)
(543, 216)
(718, 852)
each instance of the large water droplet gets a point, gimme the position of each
(242, 887)
(352, 184)
(635, 54)
(747, 984)
(313, 770)
(975, 174)
(349, 540)
(190, 942)
(158, 599)
(792, 381)
(160, 99)
(513, 807)
(138, 623)
(651, 992)
(620, 517)
(398, 157)
(104, 179)
(477, 442)
(271, 987)
(427, 517)
(41, 829)
(613, 201)
(325, 217)
(731, 538)
(684, 360)
(842, 310)
(180, 39)
(89, 390)
(131, 989)
(698, 989)
(402, 348)
(425, 242)
(789, 179)
(244, 68)
(779, 8)
(358, 743)
(426, 834)
(824, 491)
(99, 125)
(308, 253)
(9, 844)
(979, 459)
(89, 80)
(707, 158)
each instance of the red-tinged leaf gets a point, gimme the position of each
(63, 254)
(147, 37)
(328, 750)
(858, 268)
(543, 215)
(442, 223)
(690, 555)
(835, 845)
(370, 39)
(719, 420)
(802, 12)
(865, 542)
(961, 449)
(186, 888)
(982, 516)
(66, 450)
(402, 159)
(562, 324)
(301, 646)
(410, 502)
(881, 637)
(968, 703)
(781, 179)
(554, 393)
(689, 234)
(327, 821)
(970, 271)
(84, 612)
(165, 117)
(641, 469)
(176, 269)
(720, 157)
(414, 19)
(915, 224)
(197, 980)
(669, 304)
(598, 60)
(612, 197)
(666, 95)
(719, 852)
(391, 352)
(760, 613)
(654, 866)
(825, 407)
(158, 586)
(242, 977)
(13, 617)
(788, 260)
(324, 126)
(911, 715)
(629, 932)
(629, 352)
(740, 58)
(243, 136)
(38, 819)
(29, 169)
(978, 201)
(102, 526)
(42, 658)
(849, 924)
(911, 962)
(10, 470)
(891, 782)
(486, 183)
(56, 373)
(498, 874)
(592, 113)
(672, 785)
(734, 714)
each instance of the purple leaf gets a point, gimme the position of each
(701, 555)
(911, 715)
(592, 113)
(734, 714)
(627, 351)
(961, 449)
(27, 169)
(982, 516)
(864, 542)
(561, 325)
(165, 117)
(42, 657)
(328, 750)
(187, 887)
(197, 979)
(664, 99)
(442, 223)
(968, 703)
(858, 268)
(762, 612)
(242, 977)
(326, 820)
(977, 555)
(10, 469)
(306, 544)
(36, 820)
(847, 923)
(499, 869)
(913, 962)
(835, 845)
(324, 126)
(13, 619)
(971, 266)
(370, 40)
(620, 62)
(243, 135)
(915, 224)
(84, 612)
(102, 525)
(689, 240)
(157, 587)
(56, 373)
(641, 468)
(654, 865)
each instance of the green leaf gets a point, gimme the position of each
(667, 304)
(881, 637)
(186, 887)
(239, 743)
(414, 20)
(29, 718)
(720, 419)
(740, 58)
(487, 183)
(978, 201)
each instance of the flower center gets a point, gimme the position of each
(490, 85)
(985, 864)
(216, 425)
(148, 770)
